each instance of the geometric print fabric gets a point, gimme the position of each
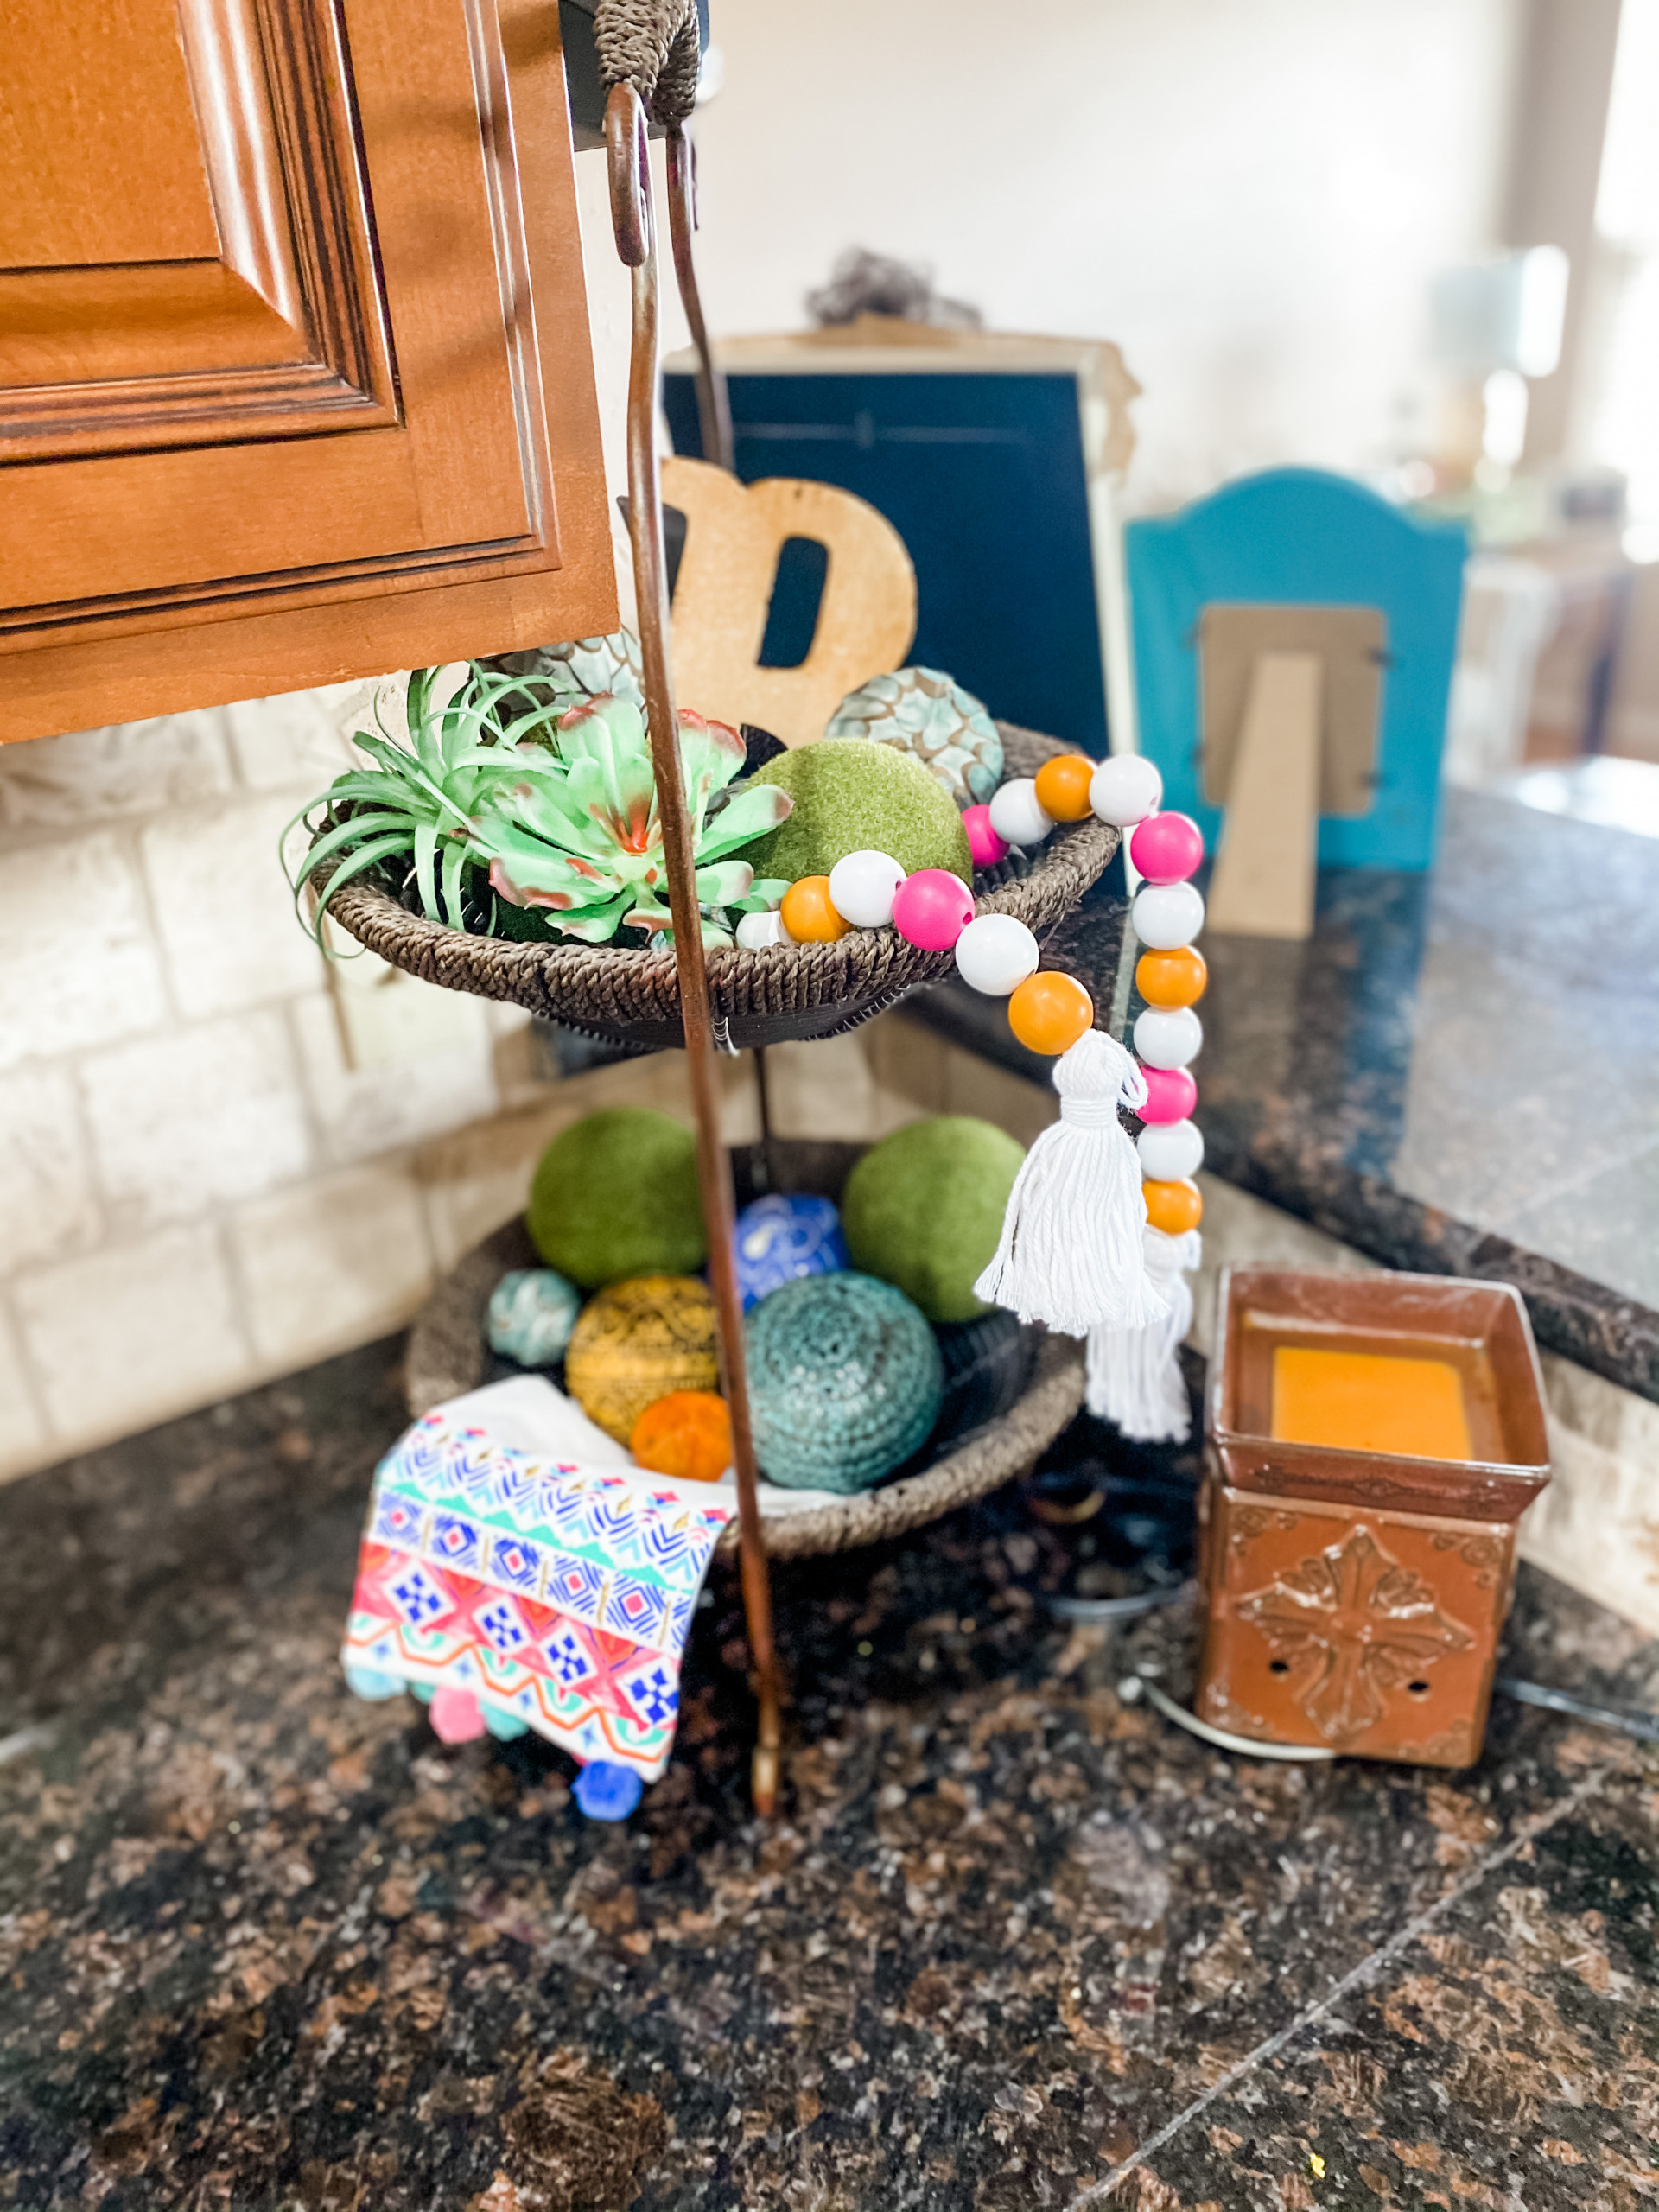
(560, 1593)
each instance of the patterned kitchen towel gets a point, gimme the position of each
(556, 1586)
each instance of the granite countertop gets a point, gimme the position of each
(1458, 1074)
(1012, 1942)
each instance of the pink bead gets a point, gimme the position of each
(932, 908)
(983, 842)
(1166, 848)
(1171, 1095)
(455, 1716)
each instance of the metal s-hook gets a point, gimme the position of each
(627, 156)
(714, 406)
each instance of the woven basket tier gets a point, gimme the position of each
(784, 993)
(448, 1355)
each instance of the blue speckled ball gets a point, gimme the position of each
(532, 1312)
(845, 1382)
(781, 1236)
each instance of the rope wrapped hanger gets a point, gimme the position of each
(655, 47)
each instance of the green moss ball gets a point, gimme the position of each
(853, 797)
(923, 1209)
(615, 1195)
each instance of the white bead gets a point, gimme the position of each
(756, 931)
(1167, 915)
(1016, 815)
(994, 952)
(1168, 1037)
(862, 888)
(1125, 789)
(1170, 1151)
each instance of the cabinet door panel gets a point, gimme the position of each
(280, 328)
(377, 383)
(97, 139)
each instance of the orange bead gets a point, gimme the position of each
(1063, 787)
(1048, 1012)
(687, 1435)
(1173, 1207)
(1171, 979)
(808, 915)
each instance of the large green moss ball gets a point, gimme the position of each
(853, 797)
(924, 1210)
(845, 1382)
(615, 1195)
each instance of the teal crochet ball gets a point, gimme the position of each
(845, 1382)
(853, 797)
(924, 1210)
(615, 1195)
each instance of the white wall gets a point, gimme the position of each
(1249, 196)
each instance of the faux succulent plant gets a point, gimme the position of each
(503, 788)
(587, 848)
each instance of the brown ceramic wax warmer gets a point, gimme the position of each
(1371, 1443)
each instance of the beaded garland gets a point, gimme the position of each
(997, 953)
(1103, 1266)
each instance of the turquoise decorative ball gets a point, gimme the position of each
(532, 1312)
(923, 712)
(845, 1382)
(924, 1210)
(616, 1195)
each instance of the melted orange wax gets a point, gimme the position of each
(1369, 1401)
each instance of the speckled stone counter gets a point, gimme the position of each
(1011, 1943)
(1458, 1072)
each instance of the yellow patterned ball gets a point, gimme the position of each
(637, 1341)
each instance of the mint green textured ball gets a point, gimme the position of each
(616, 1194)
(923, 1209)
(853, 797)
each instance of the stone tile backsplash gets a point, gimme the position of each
(202, 1183)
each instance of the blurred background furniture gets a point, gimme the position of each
(996, 457)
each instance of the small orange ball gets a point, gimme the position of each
(808, 915)
(1173, 1207)
(1048, 1012)
(687, 1435)
(1172, 979)
(1063, 787)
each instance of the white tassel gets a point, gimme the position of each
(1071, 1254)
(1134, 1375)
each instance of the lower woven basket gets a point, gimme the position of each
(787, 993)
(448, 1354)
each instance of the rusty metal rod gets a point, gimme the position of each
(630, 209)
(714, 402)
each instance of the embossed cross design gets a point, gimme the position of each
(1367, 1622)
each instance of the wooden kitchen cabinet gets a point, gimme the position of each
(295, 374)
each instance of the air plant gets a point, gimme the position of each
(423, 802)
(556, 805)
(587, 849)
